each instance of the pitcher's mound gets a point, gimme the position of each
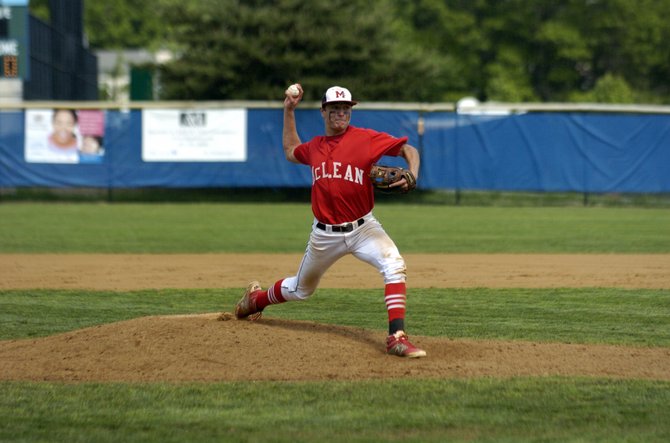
(204, 348)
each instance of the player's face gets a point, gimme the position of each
(337, 117)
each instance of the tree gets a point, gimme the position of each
(123, 24)
(507, 80)
(396, 50)
(630, 42)
(254, 49)
(608, 89)
(452, 36)
(562, 49)
(119, 24)
(40, 9)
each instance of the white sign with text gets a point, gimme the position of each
(193, 135)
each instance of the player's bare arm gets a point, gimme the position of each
(413, 159)
(290, 137)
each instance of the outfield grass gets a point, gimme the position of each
(483, 410)
(244, 227)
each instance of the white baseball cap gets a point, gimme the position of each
(337, 94)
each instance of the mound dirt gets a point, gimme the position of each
(215, 347)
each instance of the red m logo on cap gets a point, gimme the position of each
(339, 94)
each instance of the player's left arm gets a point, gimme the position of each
(413, 159)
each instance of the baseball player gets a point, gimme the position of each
(342, 202)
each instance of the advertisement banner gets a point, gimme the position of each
(64, 136)
(173, 135)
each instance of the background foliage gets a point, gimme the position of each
(398, 50)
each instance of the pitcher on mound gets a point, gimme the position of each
(342, 203)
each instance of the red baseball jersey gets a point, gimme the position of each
(341, 189)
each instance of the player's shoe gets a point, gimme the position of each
(246, 307)
(398, 344)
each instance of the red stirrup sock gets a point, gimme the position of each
(270, 297)
(396, 298)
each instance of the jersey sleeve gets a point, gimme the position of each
(385, 144)
(301, 153)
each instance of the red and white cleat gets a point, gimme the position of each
(246, 307)
(398, 344)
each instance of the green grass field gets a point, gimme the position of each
(244, 227)
(547, 409)
(485, 410)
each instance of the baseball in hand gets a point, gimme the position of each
(293, 91)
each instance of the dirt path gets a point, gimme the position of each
(125, 272)
(204, 348)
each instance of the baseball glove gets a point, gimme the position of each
(383, 176)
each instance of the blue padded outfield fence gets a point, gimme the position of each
(504, 147)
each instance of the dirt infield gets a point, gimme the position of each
(124, 272)
(214, 347)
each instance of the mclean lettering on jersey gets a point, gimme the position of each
(336, 170)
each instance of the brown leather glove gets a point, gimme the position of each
(384, 176)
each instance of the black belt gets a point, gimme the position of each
(347, 227)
